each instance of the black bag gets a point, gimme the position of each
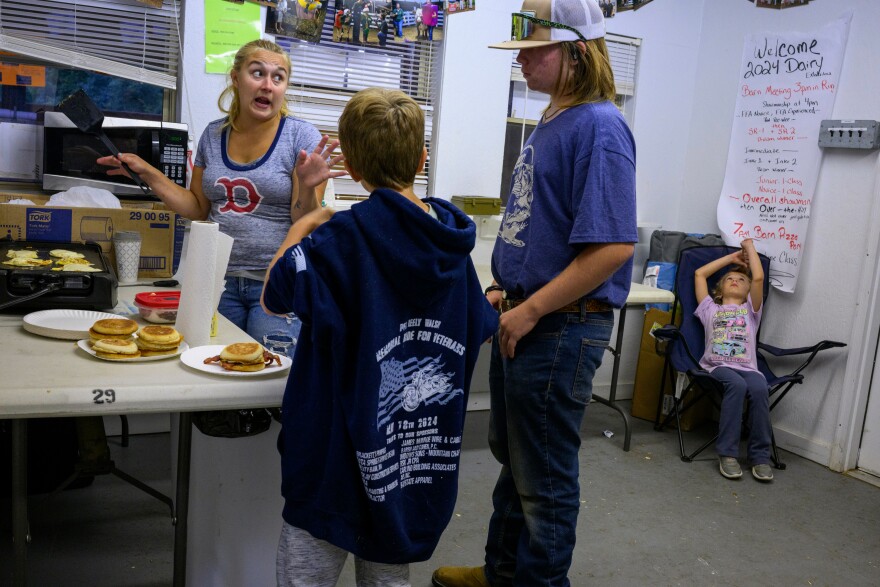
(233, 423)
(52, 455)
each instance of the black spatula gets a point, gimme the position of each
(88, 118)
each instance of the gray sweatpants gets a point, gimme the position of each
(305, 561)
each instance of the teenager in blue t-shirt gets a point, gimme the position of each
(563, 259)
(393, 318)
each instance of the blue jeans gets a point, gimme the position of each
(739, 385)
(240, 304)
(398, 27)
(538, 399)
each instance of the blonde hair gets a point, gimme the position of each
(382, 135)
(585, 76)
(238, 63)
(716, 291)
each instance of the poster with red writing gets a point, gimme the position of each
(787, 86)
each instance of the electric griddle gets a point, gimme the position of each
(49, 287)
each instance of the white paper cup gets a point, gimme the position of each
(127, 247)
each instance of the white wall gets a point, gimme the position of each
(473, 114)
(666, 89)
(473, 103)
(199, 90)
(824, 303)
(688, 68)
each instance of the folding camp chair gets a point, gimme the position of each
(684, 346)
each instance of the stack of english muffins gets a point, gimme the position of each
(158, 340)
(114, 339)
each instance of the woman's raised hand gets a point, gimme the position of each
(313, 169)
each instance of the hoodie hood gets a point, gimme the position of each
(416, 253)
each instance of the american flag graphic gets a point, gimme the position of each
(397, 374)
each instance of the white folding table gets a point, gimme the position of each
(639, 295)
(46, 377)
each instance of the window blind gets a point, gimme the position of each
(326, 75)
(623, 52)
(123, 38)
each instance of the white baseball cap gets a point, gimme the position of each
(575, 20)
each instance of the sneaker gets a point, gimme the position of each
(762, 472)
(459, 577)
(730, 468)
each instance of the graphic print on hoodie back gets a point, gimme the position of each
(393, 318)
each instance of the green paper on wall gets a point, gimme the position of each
(228, 26)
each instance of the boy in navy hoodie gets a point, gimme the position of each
(393, 318)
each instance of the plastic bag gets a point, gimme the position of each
(233, 423)
(84, 197)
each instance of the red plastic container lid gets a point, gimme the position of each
(158, 299)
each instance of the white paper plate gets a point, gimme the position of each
(195, 358)
(87, 347)
(66, 324)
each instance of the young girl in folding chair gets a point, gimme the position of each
(731, 316)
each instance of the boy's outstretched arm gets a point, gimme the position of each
(757, 270)
(701, 275)
(298, 231)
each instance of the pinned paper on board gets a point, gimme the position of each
(228, 26)
(787, 86)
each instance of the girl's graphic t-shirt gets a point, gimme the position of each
(730, 333)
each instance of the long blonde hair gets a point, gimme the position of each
(585, 76)
(241, 57)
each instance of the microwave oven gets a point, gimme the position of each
(70, 155)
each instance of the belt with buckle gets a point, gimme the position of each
(588, 305)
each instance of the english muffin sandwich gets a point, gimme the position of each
(244, 356)
(120, 328)
(115, 349)
(158, 340)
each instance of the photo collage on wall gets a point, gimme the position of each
(779, 3)
(456, 6)
(362, 22)
(297, 19)
(612, 7)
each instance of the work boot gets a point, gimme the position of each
(459, 577)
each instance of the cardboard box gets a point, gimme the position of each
(478, 205)
(161, 230)
(648, 381)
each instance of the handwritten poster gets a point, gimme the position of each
(787, 86)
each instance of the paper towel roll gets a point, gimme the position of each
(202, 274)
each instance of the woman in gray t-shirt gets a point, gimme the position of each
(256, 172)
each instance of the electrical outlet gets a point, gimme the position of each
(850, 134)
